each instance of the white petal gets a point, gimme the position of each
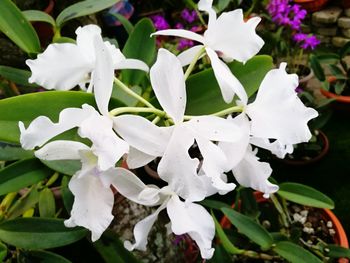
(132, 64)
(136, 158)
(142, 230)
(207, 6)
(61, 150)
(252, 173)
(168, 82)
(61, 67)
(180, 33)
(85, 39)
(188, 55)
(43, 129)
(233, 37)
(235, 151)
(214, 128)
(103, 75)
(214, 165)
(277, 112)
(228, 83)
(179, 169)
(142, 134)
(194, 220)
(106, 145)
(92, 207)
(276, 147)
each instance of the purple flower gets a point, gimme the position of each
(160, 22)
(184, 43)
(306, 41)
(189, 16)
(179, 26)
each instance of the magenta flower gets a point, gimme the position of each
(189, 16)
(160, 22)
(306, 41)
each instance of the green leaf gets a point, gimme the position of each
(335, 251)
(17, 28)
(249, 228)
(139, 46)
(67, 196)
(68, 167)
(27, 201)
(3, 252)
(38, 16)
(226, 243)
(125, 22)
(295, 253)
(18, 76)
(203, 92)
(304, 195)
(22, 174)
(27, 107)
(12, 153)
(83, 8)
(41, 256)
(39, 233)
(213, 204)
(344, 50)
(47, 206)
(112, 250)
(317, 68)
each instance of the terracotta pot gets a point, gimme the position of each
(324, 151)
(312, 5)
(341, 102)
(339, 239)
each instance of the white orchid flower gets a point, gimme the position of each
(276, 114)
(149, 141)
(185, 217)
(93, 196)
(106, 145)
(66, 65)
(228, 37)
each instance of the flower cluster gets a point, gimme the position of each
(306, 41)
(275, 120)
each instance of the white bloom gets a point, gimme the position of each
(172, 143)
(93, 197)
(63, 66)
(185, 217)
(228, 37)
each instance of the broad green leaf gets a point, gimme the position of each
(125, 22)
(68, 167)
(17, 28)
(140, 45)
(27, 107)
(250, 228)
(294, 253)
(23, 204)
(22, 174)
(317, 68)
(41, 256)
(3, 252)
(335, 251)
(220, 255)
(345, 50)
(47, 206)
(67, 196)
(18, 76)
(226, 243)
(83, 8)
(13, 152)
(203, 92)
(112, 249)
(38, 16)
(213, 204)
(305, 195)
(39, 233)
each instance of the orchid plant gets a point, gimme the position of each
(161, 125)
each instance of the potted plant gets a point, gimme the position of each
(311, 5)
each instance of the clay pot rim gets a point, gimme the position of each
(340, 239)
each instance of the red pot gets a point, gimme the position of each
(341, 103)
(339, 239)
(311, 5)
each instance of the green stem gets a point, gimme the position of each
(128, 91)
(222, 113)
(193, 62)
(122, 110)
(156, 120)
(280, 210)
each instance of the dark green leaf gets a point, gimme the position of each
(47, 206)
(305, 195)
(249, 228)
(22, 174)
(83, 8)
(112, 250)
(328, 58)
(344, 50)
(295, 253)
(140, 45)
(204, 95)
(41, 256)
(27, 201)
(213, 204)
(67, 196)
(220, 255)
(336, 71)
(39, 233)
(17, 28)
(317, 68)
(3, 252)
(10, 152)
(38, 16)
(335, 251)
(18, 76)
(125, 22)
(27, 107)
(249, 206)
(68, 167)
